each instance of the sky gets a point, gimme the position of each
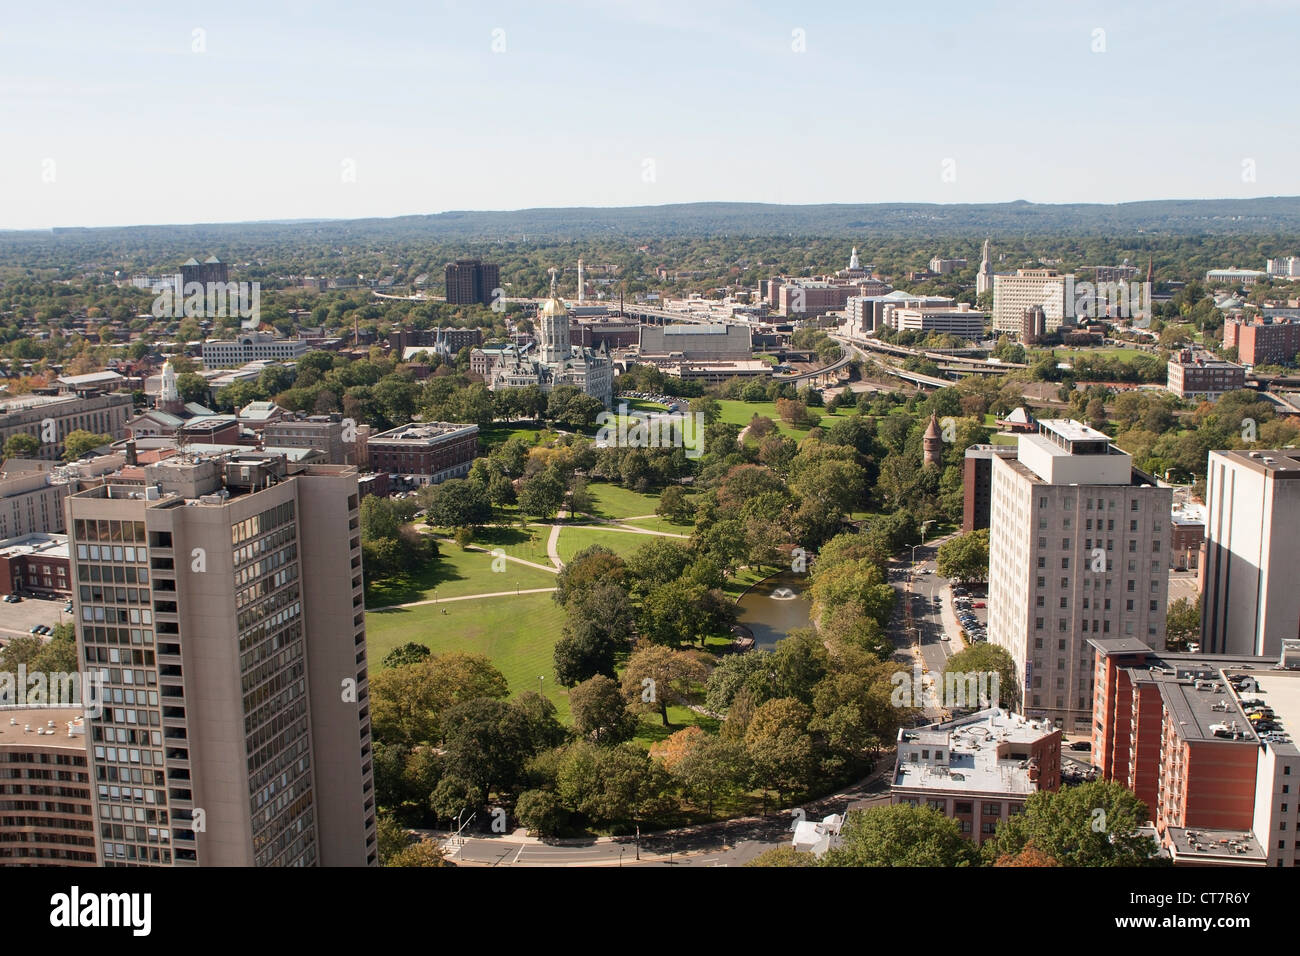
(185, 111)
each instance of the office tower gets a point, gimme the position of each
(210, 269)
(472, 281)
(1078, 546)
(1249, 599)
(1013, 294)
(222, 601)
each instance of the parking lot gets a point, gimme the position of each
(17, 619)
(972, 618)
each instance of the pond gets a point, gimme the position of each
(774, 607)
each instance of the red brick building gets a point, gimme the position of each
(35, 564)
(1262, 343)
(425, 453)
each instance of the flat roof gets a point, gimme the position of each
(1221, 847)
(1279, 462)
(1072, 430)
(973, 763)
(1280, 691)
(13, 720)
(46, 545)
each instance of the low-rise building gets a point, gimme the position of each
(251, 347)
(35, 564)
(425, 453)
(977, 770)
(49, 418)
(1200, 375)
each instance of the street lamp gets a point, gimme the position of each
(540, 678)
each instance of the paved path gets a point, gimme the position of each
(552, 551)
(462, 597)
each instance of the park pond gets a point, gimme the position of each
(774, 607)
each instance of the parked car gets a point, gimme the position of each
(12, 599)
(34, 629)
(979, 604)
(944, 637)
(1081, 745)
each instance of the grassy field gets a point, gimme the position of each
(661, 524)
(454, 574)
(739, 413)
(529, 545)
(999, 438)
(575, 539)
(500, 432)
(517, 633)
(615, 501)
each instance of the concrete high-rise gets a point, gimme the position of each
(1249, 599)
(472, 281)
(1078, 546)
(222, 601)
(1013, 294)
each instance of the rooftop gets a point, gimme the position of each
(987, 752)
(1278, 462)
(1218, 847)
(422, 431)
(19, 725)
(46, 545)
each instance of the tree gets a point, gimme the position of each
(590, 568)
(192, 387)
(710, 768)
(391, 837)
(21, 445)
(541, 812)
(408, 653)
(783, 856)
(598, 625)
(674, 505)
(983, 658)
(423, 853)
(779, 745)
(487, 743)
(1182, 624)
(965, 558)
(79, 441)
(457, 503)
(1091, 824)
(600, 712)
(656, 677)
(407, 702)
(541, 495)
(901, 836)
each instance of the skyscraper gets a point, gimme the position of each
(1078, 547)
(1249, 599)
(471, 281)
(223, 603)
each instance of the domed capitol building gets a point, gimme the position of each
(556, 361)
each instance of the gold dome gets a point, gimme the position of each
(554, 306)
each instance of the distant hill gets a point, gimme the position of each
(1272, 215)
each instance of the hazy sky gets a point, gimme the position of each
(182, 111)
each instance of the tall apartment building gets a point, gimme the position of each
(1262, 343)
(222, 603)
(46, 816)
(210, 269)
(49, 418)
(1196, 738)
(1026, 288)
(472, 281)
(977, 484)
(1200, 375)
(1078, 546)
(1249, 599)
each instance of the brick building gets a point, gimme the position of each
(1262, 343)
(425, 453)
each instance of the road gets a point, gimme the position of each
(930, 601)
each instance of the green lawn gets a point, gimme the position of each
(530, 544)
(661, 524)
(999, 438)
(739, 413)
(615, 501)
(575, 539)
(500, 432)
(517, 633)
(456, 573)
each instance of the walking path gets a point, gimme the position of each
(463, 597)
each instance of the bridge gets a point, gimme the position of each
(916, 378)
